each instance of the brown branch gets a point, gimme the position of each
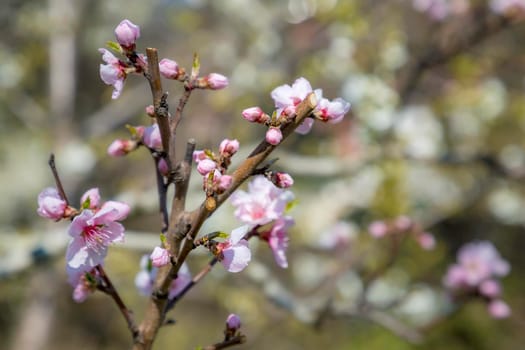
(154, 316)
(238, 339)
(162, 189)
(159, 100)
(109, 289)
(442, 50)
(58, 182)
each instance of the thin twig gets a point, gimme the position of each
(238, 339)
(109, 289)
(58, 182)
(162, 189)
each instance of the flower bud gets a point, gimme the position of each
(233, 322)
(274, 136)
(499, 309)
(199, 155)
(225, 182)
(170, 69)
(205, 166)
(378, 229)
(216, 81)
(283, 180)
(121, 147)
(50, 204)
(94, 198)
(426, 241)
(150, 110)
(159, 257)
(152, 138)
(255, 115)
(163, 167)
(228, 148)
(127, 33)
(490, 289)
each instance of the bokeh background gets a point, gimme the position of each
(436, 132)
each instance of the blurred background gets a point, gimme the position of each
(436, 132)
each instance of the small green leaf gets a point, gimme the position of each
(291, 205)
(87, 203)
(114, 46)
(196, 66)
(163, 239)
(223, 235)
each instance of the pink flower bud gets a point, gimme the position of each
(378, 229)
(216, 81)
(233, 322)
(94, 198)
(426, 241)
(225, 182)
(159, 257)
(228, 148)
(274, 136)
(490, 289)
(499, 309)
(403, 223)
(170, 69)
(50, 204)
(127, 33)
(255, 115)
(283, 180)
(163, 167)
(199, 155)
(121, 147)
(205, 166)
(150, 110)
(152, 138)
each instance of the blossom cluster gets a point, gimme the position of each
(213, 167)
(93, 228)
(402, 225)
(477, 271)
(286, 99)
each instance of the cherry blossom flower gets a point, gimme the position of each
(145, 278)
(234, 254)
(287, 97)
(499, 309)
(263, 203)
(277, 238)
(159, 257)
(113, 72)
(92, 232)
(378, 229)
(255, 115)
(152, 138)
(93, 195)
(330, 111)
(51, 205)
(127, 33)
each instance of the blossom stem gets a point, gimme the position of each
(58, 182)
(159, 101)
(236, 340)
(109, 289)
(194, 281)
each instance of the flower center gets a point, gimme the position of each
(96, 237)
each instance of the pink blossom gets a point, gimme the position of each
(145, 278)
(499, 309)
(338, 236)
(331, 111)
(490, 289)
(91, 234)
(121, 147)
(403, 223)
(481, 260)
(113, 72)
(93, 195)
(305, 127)
(277, 238)
(223, 182)
(233, 322)
(170, 69)
(378, 229)
(255, 115)
(426, 240)
(152, 138)
(199, 155)
(286, 96)
(127, 33)
(263, 203)
(228, 148)
(50, 204)
(234, 254)
(159, 257)
(205, 166)
(283, 180)
(150, 110)
(216, 81)
(274, 135)
(83, 288)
